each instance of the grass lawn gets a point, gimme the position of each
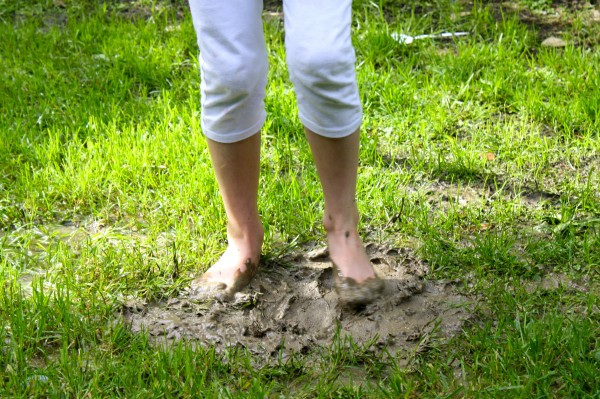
(480, 154)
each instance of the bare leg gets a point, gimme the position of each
(236, 167)
(337, 164)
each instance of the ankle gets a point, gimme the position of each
(248, 234)
(343, 222)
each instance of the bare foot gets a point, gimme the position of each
(355, 280)
(347, 252)
(233, 271)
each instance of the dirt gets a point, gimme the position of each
(574, 16)
(292, 306)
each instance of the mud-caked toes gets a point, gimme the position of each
(202, 289)
(353, 294)
(209, 287)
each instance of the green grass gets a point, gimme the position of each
(99, 128)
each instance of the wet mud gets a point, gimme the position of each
(291, 306)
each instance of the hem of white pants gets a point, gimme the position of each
(229, 138)
(334, 133)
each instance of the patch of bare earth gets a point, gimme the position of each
(559, 17)
(293, 307)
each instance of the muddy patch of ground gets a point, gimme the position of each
(292, 307)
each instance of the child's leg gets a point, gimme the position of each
(233, 66)
(321, 63)
(236, 167)
(337, 162)
(233, 63)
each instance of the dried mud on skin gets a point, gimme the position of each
(294, 308)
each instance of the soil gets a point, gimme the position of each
(292, 307)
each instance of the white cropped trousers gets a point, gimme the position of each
(233, 63)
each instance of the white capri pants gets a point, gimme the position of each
(233, 62)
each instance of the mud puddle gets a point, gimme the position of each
(291, 306)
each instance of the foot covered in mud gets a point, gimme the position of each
(355, 280)
(353, 294)
(229, 275)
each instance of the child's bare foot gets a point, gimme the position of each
(347, 252)
(233, 271)
(355, 280)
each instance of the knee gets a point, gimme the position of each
(235, 79)
(317, 66)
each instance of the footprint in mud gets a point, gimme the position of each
(296, 307)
